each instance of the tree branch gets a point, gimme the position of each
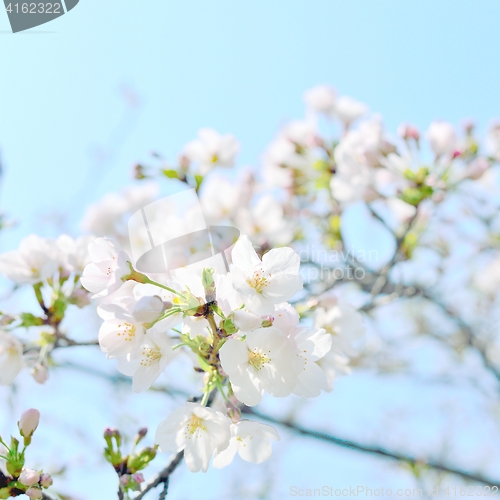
(162, 477)
(374, 450)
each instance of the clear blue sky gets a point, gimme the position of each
(239, 67)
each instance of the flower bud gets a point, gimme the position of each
(148, 309)
(34, 493)
(46, 480)
(29, 477)
(40, 374)
(125, 479)
(407, 131)
(138, 478)
(29, 422)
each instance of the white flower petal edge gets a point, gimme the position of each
(252, 442)
(263, 284)
(11, 358)
(197, 430)
(109, 265)
(264, 361)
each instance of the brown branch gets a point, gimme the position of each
(162, 477)
(375, 450)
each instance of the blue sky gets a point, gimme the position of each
(239, 67)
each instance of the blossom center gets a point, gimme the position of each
(126, 330)
(259, 281)
(195, 423)
(257, 359)
(150, 355)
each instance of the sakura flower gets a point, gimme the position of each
(120, 333)
(148, 362)
(11, 358)
(264, 361)
(252, 442)
(109, 265)
(212, 149)
(311, 346)
(74, 254)
(321, 99)
(34, 261)
(264, 222)
(348, 110)
(197, 430)
(442, 138)
(285, 318)
(344, 323)
(264, 283)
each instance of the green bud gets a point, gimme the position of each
(29, 319)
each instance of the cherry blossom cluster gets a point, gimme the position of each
(244, 335)
(15, 478)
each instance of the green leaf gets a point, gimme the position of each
(170, 173)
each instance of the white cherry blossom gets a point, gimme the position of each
(197, 430)
(36, 260)
(311, 346)
(251, 441)
(321, 98)
(442, 137)
(212, 149)
(109, 265)
(264, 283)
(264, 361)
(147, 363)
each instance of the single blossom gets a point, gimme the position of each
(212, 149)
(36, 260)
(262, 284)
(311, 345)
(442, 138)
(348, 110)
(11, 358)
(197, 430)
(109, 265)
(252, 442)
(148, 362)
(264, 361)
(344, 323)
(322, 99)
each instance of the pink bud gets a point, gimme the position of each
(456, 153)
(407, 131)
(40, 374)
(29, 422)
(138, 478)
(29, 477)
(34, 493)
(46, 480)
